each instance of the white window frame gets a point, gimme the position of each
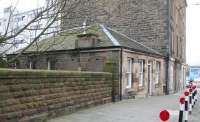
(129, 72)
(30, 65)
(141, 72)
(49, 65)
(158, 67)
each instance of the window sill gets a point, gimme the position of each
(128, 87)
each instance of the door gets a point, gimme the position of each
(149, 79)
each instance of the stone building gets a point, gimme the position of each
(137, 69)
(159, 24)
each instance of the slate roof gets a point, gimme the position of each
(107, 36)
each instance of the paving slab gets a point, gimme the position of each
(132, 110)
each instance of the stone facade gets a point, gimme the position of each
(177, 29)
(112, 60)
(88, 60)
(74, 60)
(159, 24)
(39, 95)
(141, 20)
(177, 51)
(150, 84)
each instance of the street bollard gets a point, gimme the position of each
(186, 93)
(193, 95)
(190, 101)
(164, 116)
(182, 103)
(196, 94)
(192, 87)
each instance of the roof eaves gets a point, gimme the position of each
(79, 49)
(144, 52)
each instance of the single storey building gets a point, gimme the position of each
(138, 70)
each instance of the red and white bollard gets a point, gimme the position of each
(196, 94)
(186, 93)
(164, 115)
(182, 105)
(190, 101)
(193, 96)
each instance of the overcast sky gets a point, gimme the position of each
(192, 29)
(193, 32)
(22, 5)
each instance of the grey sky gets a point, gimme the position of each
(193, 24)
(22, 5)
(193, 33)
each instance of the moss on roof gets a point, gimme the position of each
(66, 40)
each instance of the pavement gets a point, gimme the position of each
(132, 110)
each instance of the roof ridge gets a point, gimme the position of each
(135, 41)
(80, 27)
(109, 35)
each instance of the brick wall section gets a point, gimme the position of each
(36, 94)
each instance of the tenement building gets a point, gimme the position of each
(159, 24)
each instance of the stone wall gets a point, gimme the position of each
(86, 60)
(100, 60)
(34, 95)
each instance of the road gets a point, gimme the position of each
(133, 110)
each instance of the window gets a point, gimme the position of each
(32, 64)
(51, 65)
(157, 72)
(129, 73)
(141, 72)
(16, 64)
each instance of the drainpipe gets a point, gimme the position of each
(167, 76)
(120, 83)
(169, 47)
